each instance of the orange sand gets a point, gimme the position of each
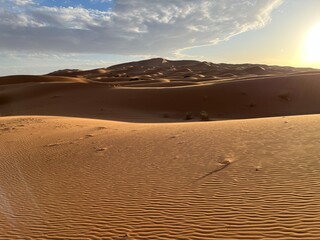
(154, 175)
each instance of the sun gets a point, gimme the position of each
(312, 46)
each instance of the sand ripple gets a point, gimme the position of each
(147, 185)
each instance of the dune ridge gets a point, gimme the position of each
(186, 71)
(131, 87)
(120, 153)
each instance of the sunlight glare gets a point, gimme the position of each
(312, 45)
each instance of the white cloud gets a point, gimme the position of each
(18, 2)
(131, 27)
(23, 2)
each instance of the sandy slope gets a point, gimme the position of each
(160, 87)
(155, 175)
(67, 178)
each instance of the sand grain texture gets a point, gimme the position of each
(65, 178)
(108, 154)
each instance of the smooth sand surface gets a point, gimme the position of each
(121, 162)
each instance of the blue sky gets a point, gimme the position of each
(39, 36)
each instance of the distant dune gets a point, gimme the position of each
(121, 152)
(159, 86)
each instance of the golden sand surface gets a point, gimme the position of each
(66, 178)
(84, 158)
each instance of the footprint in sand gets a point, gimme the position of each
(57, 144)
(102, 149)
(89, 136)
(99, 128)
(52, 145)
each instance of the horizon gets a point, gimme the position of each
(142, 59)
(159, 119)
(42, 36)
(178, 60)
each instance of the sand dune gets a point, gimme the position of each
(27, 79)
(64, 178)
(176, 70)
(190, 88)
(108, 153)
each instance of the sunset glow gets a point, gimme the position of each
(312, 46)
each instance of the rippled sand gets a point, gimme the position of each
(113, 154)
(71, 178)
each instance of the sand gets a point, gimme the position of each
(82, 159)
(138, 92)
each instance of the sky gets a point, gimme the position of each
(40, 36)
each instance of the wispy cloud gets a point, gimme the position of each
(22, 2)
(130, 27)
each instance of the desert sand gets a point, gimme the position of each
(108, 153)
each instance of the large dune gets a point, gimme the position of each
(108, 154)
(182, 86)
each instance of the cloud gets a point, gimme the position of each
(22, 2)
(155, 27)
(11, 3)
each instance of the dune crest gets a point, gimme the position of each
(152, 150)
(158, 87)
